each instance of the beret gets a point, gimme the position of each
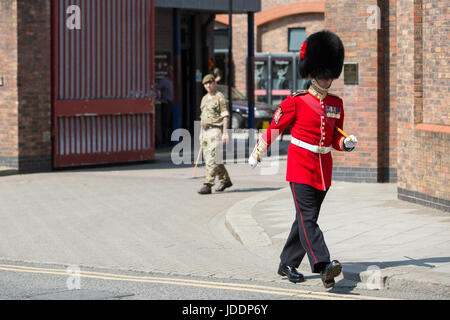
(208, 78)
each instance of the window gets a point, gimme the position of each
(221, 40)
(296, 36)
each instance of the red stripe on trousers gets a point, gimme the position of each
(301, 219)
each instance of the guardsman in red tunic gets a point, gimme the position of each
(316, 120)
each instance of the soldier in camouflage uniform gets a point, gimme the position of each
(214, 123)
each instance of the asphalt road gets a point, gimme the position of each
(140, 232)
(145, 217)
(35, 281)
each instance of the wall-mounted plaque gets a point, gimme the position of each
(351, 75)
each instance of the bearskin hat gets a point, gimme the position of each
(321, 56)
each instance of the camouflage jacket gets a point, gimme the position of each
(214, 109)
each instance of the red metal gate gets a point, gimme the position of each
(103, 75)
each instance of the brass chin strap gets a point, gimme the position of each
(318, 88)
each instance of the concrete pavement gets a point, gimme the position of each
(148, 217)
(382, 242)
(145, 217)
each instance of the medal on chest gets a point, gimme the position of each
(333, 112)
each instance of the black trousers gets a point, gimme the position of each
(305, 236)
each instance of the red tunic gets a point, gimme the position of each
(313, 122)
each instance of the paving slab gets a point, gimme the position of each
(382, 242)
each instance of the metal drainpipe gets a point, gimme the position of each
(230, 60)
(250, 70)
(177, 69)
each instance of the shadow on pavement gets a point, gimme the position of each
(344, 286)
(409, 262)
(163, 160)
(251, 190)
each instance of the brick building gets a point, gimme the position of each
(77, 76)
(272, 26)
(398, 107)
(25, 94)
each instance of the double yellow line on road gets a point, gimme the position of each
(192, 283)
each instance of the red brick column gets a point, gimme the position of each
(423, 128)
(9, 124)
(34, 81)
(365, 103)
(25, 98)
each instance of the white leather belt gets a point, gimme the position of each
(310, 147)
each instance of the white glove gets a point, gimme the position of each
(252, 162)
(350, 142)
(258, 151)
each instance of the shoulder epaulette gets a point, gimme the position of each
(299, 93)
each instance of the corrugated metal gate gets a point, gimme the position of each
(103, 75)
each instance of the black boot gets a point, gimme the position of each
(291, 273)
(332, 270)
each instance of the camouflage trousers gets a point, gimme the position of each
(212, 154)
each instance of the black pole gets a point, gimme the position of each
(250, 70)
(230, 46)
(177, 116)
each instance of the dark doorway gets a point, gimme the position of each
(187, 73)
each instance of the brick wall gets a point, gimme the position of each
(387, 95)
(436, 69)
(390, 76)
(25, 100)
(271, 30)
(34, 85)
(348, 19)
(240, 51)
(371, 106)
(9, 135)
(399, 109)
(269, 4)
(423, 137)
(273, 36)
